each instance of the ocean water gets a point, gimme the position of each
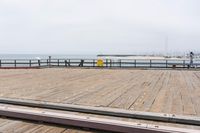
(45, 56)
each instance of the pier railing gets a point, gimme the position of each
(107, 63)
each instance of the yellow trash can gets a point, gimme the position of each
(100, 63)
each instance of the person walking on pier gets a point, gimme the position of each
(191, 59)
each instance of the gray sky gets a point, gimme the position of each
(98, 26)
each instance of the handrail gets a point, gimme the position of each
(121, 63)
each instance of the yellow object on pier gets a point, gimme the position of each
(100, 62)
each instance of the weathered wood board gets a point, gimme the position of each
(163, 91)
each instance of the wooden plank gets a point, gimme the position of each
(41, 129)
(127, 99)
(168, 100)
(26, 127)
(126, 89)
(9, 126)
(188, 105)
(177, 106)
(79, 131)
(87, 122)
(146, 91)
(58, 130)
(171, 118)
(193, 85)
(108, 93)
(161, 97)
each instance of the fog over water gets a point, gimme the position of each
(99, 26)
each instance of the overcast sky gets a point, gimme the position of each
(98, 26)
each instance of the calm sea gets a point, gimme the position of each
(44, 56)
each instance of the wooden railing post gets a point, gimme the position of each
(183, 63)
(110, 63)
(39, 63)
(120, 63)
(58, 62)
(135, 63)
(150, 63)
(15, 62)
(81, 63)
(166, 64)
(93, 63)
(65, 63)
(48, 63)
(69, 62)
(106, 62)
(29, 63)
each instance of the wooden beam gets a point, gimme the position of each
(33, 67)
(86, 121)
(170, 118)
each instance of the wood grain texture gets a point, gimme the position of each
(163, 91)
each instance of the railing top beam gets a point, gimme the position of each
(4, 59)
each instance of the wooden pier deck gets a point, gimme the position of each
(163, 91)
(160, 91)
(21, 126)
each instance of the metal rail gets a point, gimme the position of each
(108, 63)
(87, 121)
(169, 118)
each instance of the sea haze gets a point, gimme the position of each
(44, 56)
